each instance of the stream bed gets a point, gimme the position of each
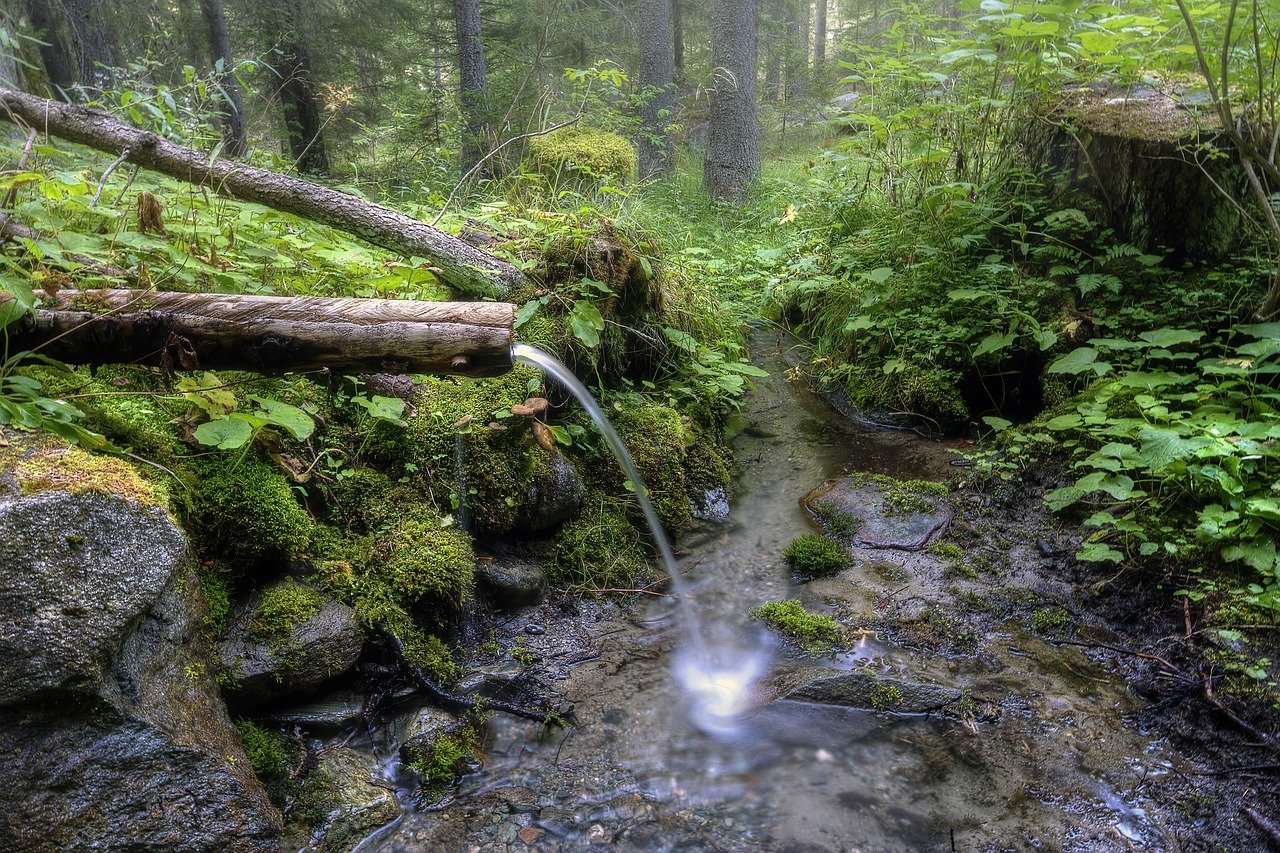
(1039, 758)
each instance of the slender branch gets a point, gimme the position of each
(12, 195)
(115, 164)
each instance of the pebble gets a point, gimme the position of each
(534, 629)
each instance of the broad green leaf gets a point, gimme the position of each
(224, 433)
(994, 343)
(997, 424)
(1171, 337)
(1099, 552)
(297, 422)
(1077, 361)
(586, 323)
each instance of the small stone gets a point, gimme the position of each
(530, 835)
(824, 756)
(513, 583)
(1046, 550)
(534, 629)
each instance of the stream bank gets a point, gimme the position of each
(1047, 747)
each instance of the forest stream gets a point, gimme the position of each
(1041, 758)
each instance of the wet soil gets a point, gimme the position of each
(1050, 750)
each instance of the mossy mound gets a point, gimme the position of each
(658, 442)
(814, 632)
(245, 510)
(282, 608)
(581, 155)
(814, 556)
(421, 558)
(70, 469)
(601, 549)
(921, 392)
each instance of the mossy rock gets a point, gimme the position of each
(246, 510)
(76, 471)
(421, 558)
(581, 155)
(658, 442)
(600, 549)
(814, 632)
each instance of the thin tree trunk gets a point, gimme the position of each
(302, 113)
(456, 263)
(94, 49)
(733, 144)
(472, 79)
(657, 87)
(220, 42)
(677, 35)
(819, 36)
(270, 334)
(57, 60)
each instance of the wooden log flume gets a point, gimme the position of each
(269, 334)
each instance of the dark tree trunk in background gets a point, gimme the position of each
(302, 113)
(57, 60)
(733, 144)
(797, 50)
(657, 87)
(472, 83)
(819, 35)
(677, 35)
(220, 42)
(94, 49)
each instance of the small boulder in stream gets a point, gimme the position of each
(851, 689)
(512, 582)
(348, 799)
(873, 511)
(284, 642)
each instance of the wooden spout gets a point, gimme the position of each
(269, 334)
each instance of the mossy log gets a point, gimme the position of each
(458, 264)
(1146, 165)
(270, 334)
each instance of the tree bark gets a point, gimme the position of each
(220, 43)
(54, 55)
(456, 263)
(472, 83)
(733, 144)
(677, 35)
(269, 334)
(657, 87)
(819, 36)
(302, 108)
(94, 48)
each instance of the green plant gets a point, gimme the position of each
(816, 634)
(813, 556)
(885, 697)
(282, 608)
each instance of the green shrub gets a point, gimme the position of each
(813, 556)
(815, 633)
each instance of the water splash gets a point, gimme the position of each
(720, 682)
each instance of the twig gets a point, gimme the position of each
(115, 164)
(1264, 823)
(133, 173)
(1228, 771)
(12, 195)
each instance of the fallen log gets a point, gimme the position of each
(269, 334)
(459, 265)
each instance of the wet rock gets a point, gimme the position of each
(345, 787)
(554, 496)
(495, 679)
(712, 505)
(323, 646)
(513, 583)
(880, 514)
(825, 686)
(534, 630)
(419, 731)
(76, 572)
(331, 713)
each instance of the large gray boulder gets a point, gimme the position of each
(112, 735)
(265, 669)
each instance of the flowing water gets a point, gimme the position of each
(655, 763)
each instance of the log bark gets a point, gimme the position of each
(268, 334)
(458, 264)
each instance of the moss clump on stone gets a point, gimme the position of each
(658, 442)
(885, 697)
(270, 756)
(905, 497)
(246, 511)
(216, 593)
(814, 556)
(1051, 620)
(946, 551)
(581, 155)
(816, 633)
(600, 549)
(835, 520)
(422, 558)
(282, 608)
(70, 469)
(921, 391)
(448, 756)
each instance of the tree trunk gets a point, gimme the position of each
(733, 145)
(456, 263)
(302, 109)
(657, 87)
(473, 94)
(819, 35)
(677, 35)
(797, 51)
(220, 43)
(94, 49)
(54, 55)
(269, 334)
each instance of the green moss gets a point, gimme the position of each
(921, 391)
(658, 442)
(835, 520)
(885, 697)
(1050, 620)
(266, 751)
(946, 551)
(422, 558)
(216, 593)
(246, 511)
(70, 469)
(448, 756)
(600, 549)
(814, 556)
(904, 497)
(284, 607)
(816, 633)
(580, 154)
(706, 467)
